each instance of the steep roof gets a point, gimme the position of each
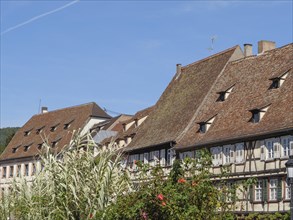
(41, 126)
(251, 79)
(181, 99)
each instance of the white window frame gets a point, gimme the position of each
(239, 153)
(228, 154)
(216, 155)
(146, 158)
(273, 191)
(258, 191)
(157, 157)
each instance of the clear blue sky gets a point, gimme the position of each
(119, 54)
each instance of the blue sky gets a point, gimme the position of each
(119, 54)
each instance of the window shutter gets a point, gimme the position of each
(262, 152)
(231, 154)
(220, 155)
(265, 190)
(251, 194)
(276, 149)
(146, 158)
(279, 192)
(291, 148)
(163, 158)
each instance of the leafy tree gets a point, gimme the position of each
(6, 134)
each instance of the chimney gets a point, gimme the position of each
(44, 110)
(178, 70)
(248, 50)
(265, 45)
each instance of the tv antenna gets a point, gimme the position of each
(213, 39)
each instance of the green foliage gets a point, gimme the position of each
(72, 185)
(271, 216)
(187, 193)
(6, 134)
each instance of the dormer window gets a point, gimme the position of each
(14, 149)
(40, 146)
(39, 130)
(67, 125)
(27, 133)
(204, 126)
(278, 81)
(54, 143)
(53, 128)
(27, 147)
(257, 114)
(223, 95)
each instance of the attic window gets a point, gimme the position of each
(54, 143)
(223, 95)
(278, 81)
(39, 130)
(204, 126)
(67, 125)
(27, 133)
(257, 114)
(40, 146)
(14, 149)
(53, 128)
(27, 147)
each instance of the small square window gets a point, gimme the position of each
(14, 150)
(202, 127)
(255, 116)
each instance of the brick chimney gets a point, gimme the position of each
(44, 110)
(248, 50)
(265, 45)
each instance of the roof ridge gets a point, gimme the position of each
(70, 107)
(212, 56)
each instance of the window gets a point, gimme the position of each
(157, 157)
(287, 190)
(169, 157)
(204, 126)
(67, 125)
(26, 169)
(4, 170)
(14, 149)
(273, 189)
(26, 133)
(278, 81)
(270, 150)
(287, 146)
(228, 154)
(216, 155)
(223, 95)
(257, 114)
(26, 147)
(146, 158)
(18, 170)
(40, 146)
(11, 171)
(258, 191)
(239, 153)
(39, 130)
(53, 128)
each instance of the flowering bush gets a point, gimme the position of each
(186, 193)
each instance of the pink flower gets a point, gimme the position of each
(144, 215)
(182, 180)
(160, 197)
(163, 204)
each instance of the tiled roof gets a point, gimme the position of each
(251, 77)
(181, 99)
(52, 126)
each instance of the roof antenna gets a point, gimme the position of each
(213, 39)
(39, 110)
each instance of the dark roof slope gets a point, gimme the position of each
(41, 126)
(251, 77)
(181, 99)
